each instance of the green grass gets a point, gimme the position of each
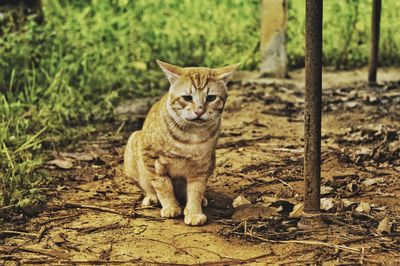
(70, 72)
(346, 33)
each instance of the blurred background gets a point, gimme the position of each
(65, 65)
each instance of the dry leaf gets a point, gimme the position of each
(327, 203)
(384, 226)
(381, 208)
(347, 203)
(253, 211)
(297, 210)
(59, 239)
(268, 199)
(79, 156)
(63, 164)
(373, 181)
(363, 151)
(351, 187)
(363, 207)
(326, 190)
(240, 200)
(351, 104)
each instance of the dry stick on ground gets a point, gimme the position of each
(171, 245)
(99, 262)
(88, 230)
(42, 230)
(317, 243)
(150, 262)
(288, 150)
(98, 208)
(66, 217)
(130, 214)
(368, 238)
(192, 233)
(247, 142)
(11, 232)
(51, 253)
(235, 261)
(283, 182)
(105, 255)
(210, 251)
(274, 179)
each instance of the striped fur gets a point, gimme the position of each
(174, 153)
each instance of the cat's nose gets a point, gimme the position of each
(199, 111)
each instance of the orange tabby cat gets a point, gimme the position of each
(176, 145)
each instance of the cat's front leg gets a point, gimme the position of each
(165, 192)
(195, 194)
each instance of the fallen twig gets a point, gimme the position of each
(43, 229)
(11, 232)
(87, 230)
(289, 150)
(50, 253)
(285, 183)
(235, 261)
(317, 243)
(368, 238)
(210, 251)
(147, 261)
(191, 233)
(247, 142)
(105, 254)
(171, 245)
(99, 262)
(66, 217)
(98, 208)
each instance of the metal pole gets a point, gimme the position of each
(374, 49)
(312, 110)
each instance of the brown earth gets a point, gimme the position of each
(94, 215)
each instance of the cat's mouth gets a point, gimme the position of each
(197, 120)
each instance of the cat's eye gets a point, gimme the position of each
(187, 98)
(211, 98)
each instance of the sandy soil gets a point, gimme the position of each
(94, 215)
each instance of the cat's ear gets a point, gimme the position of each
(223, 72)
(172, 72)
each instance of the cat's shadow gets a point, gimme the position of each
(219, 205)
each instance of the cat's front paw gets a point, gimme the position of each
(171, 212)
(195, 219)
(150, 200)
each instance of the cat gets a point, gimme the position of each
(174, 153)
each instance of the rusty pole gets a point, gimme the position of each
(312, 109)
(374, 49)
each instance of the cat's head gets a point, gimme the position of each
(197, 94)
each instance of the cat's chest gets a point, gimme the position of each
(193, 149)
(189, 160)
(182, 168)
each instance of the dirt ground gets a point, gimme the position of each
(95, 217)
